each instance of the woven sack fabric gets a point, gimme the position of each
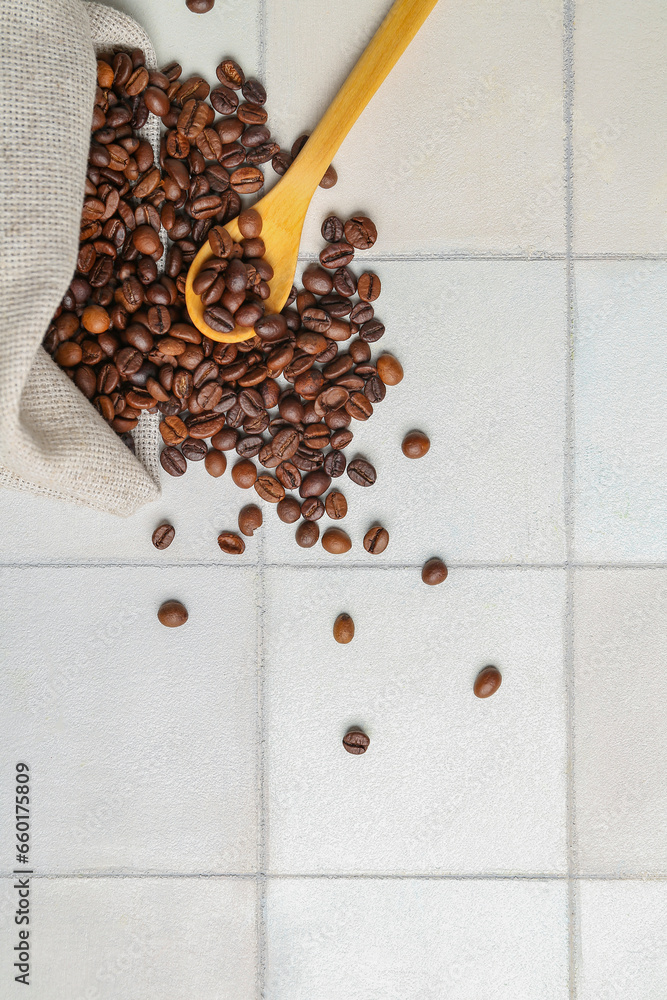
(52, 440)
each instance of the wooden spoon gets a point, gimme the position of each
(284, 208)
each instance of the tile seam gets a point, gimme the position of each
(212, 564)
(397, 876)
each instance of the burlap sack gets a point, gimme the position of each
(52, 441)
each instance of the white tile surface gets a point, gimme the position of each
(483, 348)
(620, 133)
(620, 711)
(450, 783)
(465, 139)
(620, 403)
(128, 939)
(141, 739)
(623, 940)
(391, 939)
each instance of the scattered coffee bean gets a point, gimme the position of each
(389, 369)
(163, 536)
(172, 614)
(356, 742)
(200, 6)
(312, 509)
(376, 540)
(194, 450)
(343, 629)
(487, 682)
(368, 287)
(250, 519)
(333, 230)
(415, 444)
(336, 541)
(173, 462)
(244, 474)
(231, 543)
(433, 572)
(269, 489)
(336, 506)
(307, 534)
(360, 232)
(361, 472)
(215, 463)
(289, 510)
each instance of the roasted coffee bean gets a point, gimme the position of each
(336, 255)
(360, 232)
(334, 464)
(225, 440)
(289, 510)
(333, 230)
(249, 447)
(219, 319)
(434, 571)
(487, 682)
(163, 536)
(246, 180)
(281, 162)
(336, 505)
(224, 100)
(359, 407)
(204, 425)
(85, 379)
(231, 543)
(362, 313)
(371, 331)
(194, 450)
(315, 484)
(285, 443)
(172, 614)
(250, 519)
(215, 463)
(271, 328)
(172, 461)
(312, 509)
(307, 534)
(361, 472)
(200, 6)
(269, 489)
(146, 240)
(330, 177)
(244, 474)
(389, 369)
(173, 430)
(343, 629)
(316, 280)
(376, 539)
(288, 474)
(230, 74)
(356, 742)
(415, 444)
(69, 354)
(345, 282)
(336, 541)
(375, 390)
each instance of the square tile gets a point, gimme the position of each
(483, 348)
(620, 133)
(620, 732)
(141, 739)
(620, 409)
(199, 42)
(106, 939)
(387, 939)
(623, 940)
(461, 149)
(451, 783)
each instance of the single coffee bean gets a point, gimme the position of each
(359, 407)
(269, 489)
(231, 544)
(345, 282)
(288, 474)
(487, 682)
(146, 240)
(172, 461)
(200, 6)
(244, 474)
(343, 629)
(250, 519)
(315, 484)
(336, 506)
(215, 463)
(230, 74)
(341, 439)
(434, 572)
(289, 510)
(356, 742)
(307, 534)
(194, 450)
(336, 541)
(172, 614)
(374, 390)
(225, 440)
(362, 313)
(254, 92)
(163, 536)
(368, 286)
(219, 319)
(376, 540)
(361, 472)
(389, 369)
(334, 464)
(333, 230)
(312, 509)
(372, 331)
(360, 232)
(415, 444)
(330, 178)
(173, 430)
(250, 223)
(316, 280)
(285, 443)
(336, 255)
(250, 447)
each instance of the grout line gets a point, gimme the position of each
(361, 876)
(261, 775)
(426, 258)
(318, 567)
(568, 483)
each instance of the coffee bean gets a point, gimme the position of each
(288, 474)
(244, 474)
(415, 444)
(230, 74)
(343, 629)
(172, 614)
(200, 6)
(372, 331)
(356, 742)
(269, 489)
(334, 464)
(336, 506)
(341, 439)
(194, 451)
(225, 440)
(336, 541)
(172, 461)
(359, 407)
(163, 536)
(333, 230)
(360, 232)
(289, 510)
(307, 534)
(487, 682)
(146, 240)
(330, 178)
(389, 369)
(336, 255)
(215, 463)
(374, 390)
(315, 484)
(173, 430)
(376, 540)
(285, 443)
(345, 282)
(219, 319)
(434, 572)
(368, 286)
(361, 472)
(250, 519)
(231, 544)
(249, 447)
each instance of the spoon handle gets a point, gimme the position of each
(392, 38)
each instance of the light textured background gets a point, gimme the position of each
(198, 829)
